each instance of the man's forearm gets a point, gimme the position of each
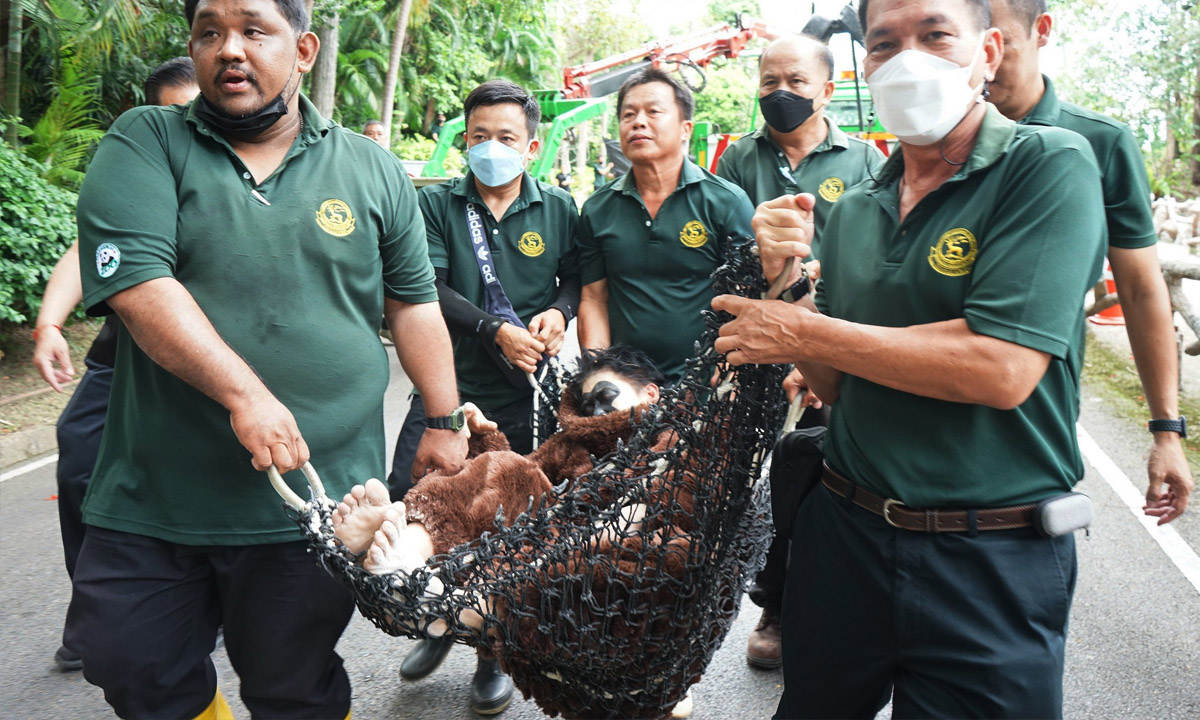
(423, 346)
(944, 360)
(64, 289)
(569, 293)
(825, 382)
(593, 316)
(172, 330)
(1149, 323)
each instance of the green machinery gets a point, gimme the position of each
(560, 113)
(586, 89)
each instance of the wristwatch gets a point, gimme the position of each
(1175, 426)
(798, 289)
(456, 420)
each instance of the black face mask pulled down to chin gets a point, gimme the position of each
(247, 127)
(785, 111)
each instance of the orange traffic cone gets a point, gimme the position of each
(1113, 314)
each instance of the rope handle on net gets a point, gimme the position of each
(795, 412)
(288, 494)
(781, 283)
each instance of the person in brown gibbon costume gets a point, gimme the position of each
(613, 387)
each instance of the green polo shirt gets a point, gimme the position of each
(1011, 242)
(1122, 171)
(659, 269)
(295, 286)
(756, 164)
(531, 247)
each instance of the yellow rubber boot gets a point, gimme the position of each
(218, 709)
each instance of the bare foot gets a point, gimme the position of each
(389, 553)
(683, 708)
(360, 513)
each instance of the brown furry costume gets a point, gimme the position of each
(457, 508)
(631, 623)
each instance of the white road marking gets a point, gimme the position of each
(1176, 548)
(28, 467)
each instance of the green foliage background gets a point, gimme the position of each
(83, 62)
(37, 225)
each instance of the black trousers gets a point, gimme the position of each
(144, 616)
(767, 589)
(515, 421)
(947, 625)
(80, 428)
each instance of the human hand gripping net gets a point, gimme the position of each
(608, 597)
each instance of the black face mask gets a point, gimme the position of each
(247, 127)
(785, 111)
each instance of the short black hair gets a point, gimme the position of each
(369, 123)
(983, 13)
(176, 72)
(497, 92)
(624, 360)
(292, 10)
(683, 97)
(1029, 10)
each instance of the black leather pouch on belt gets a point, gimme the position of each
(796, 463)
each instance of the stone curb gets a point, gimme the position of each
(26, 444)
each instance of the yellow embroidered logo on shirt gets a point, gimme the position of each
(832, 188)
(531, 244)
(693, 234)
(335, 218)
(954, 253)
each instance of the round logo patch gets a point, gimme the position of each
(531, 244)
(108, 259)
(335, 218)
(693, 234)
(832, 188)
(954, 254)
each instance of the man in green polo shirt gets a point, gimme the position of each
(523, 239)
(250, 247)
(948, 335)
(1023, 94)
(797, 150)
(650, 239)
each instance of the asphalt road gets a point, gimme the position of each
(1133, 651)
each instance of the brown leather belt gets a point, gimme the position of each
(929, 521)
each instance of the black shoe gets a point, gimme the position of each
(491, 689)
(425, 659)
(66, 660)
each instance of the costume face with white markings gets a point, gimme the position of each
(605, 391)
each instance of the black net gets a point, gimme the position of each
(551, 383)
(609, 597)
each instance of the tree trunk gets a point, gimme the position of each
(308, 8)
(1194, 160)
(393, 71)
(430, 111)
(12, 73)
(583, 132)
(324, 73)
(564, 160)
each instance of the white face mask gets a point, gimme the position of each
(921, 97)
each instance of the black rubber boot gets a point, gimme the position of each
(425, 659)
(66, 660)
(491, 689)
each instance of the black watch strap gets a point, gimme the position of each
(455, 421)
(798, 289)
(1176, 426)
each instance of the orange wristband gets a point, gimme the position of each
(39, 327)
